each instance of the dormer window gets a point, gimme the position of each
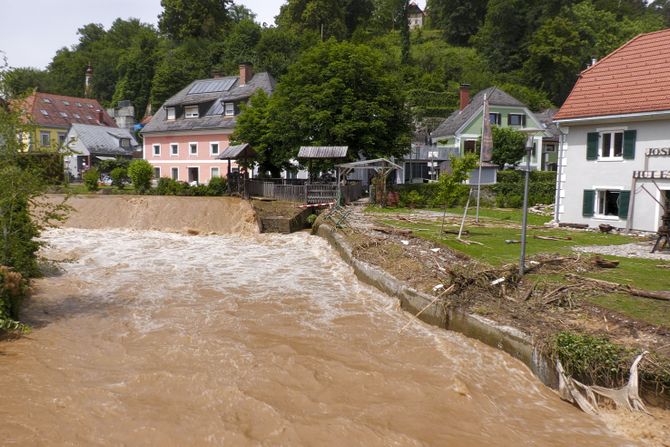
(191, 112)
(125, 142)
(63, 114)
(78, 104)
(66, 103)
(47, 100)
(230, 109)
(44, 112)
(171, 113)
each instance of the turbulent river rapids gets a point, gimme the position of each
(151, 338)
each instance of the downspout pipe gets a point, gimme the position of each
(559, 174)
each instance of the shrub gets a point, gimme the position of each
(107, 166)
(140, 172)
(91, 178)
(119, 177)
(509, 189)
(13, 288)
(217, 186)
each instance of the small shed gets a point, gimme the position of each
(322, 153)
(242, 152)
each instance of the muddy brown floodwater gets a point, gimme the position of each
(151, 338)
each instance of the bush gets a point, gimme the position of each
(13, 288)
(141, 172)
(119, 177)
(217, 186)
(91, 178)
(509, 189)
(107, 166)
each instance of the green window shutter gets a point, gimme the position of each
(592, 145)
(623, 202)
(589, 202)
(523, 120)
(629, 137)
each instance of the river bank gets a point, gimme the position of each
(417, 271)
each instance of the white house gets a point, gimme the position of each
(614, 157)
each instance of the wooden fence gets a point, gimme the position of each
(307, 193)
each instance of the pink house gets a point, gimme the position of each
(185, 138)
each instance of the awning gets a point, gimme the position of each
(237, 152)
(100, 157)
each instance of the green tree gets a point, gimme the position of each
(278, 48)
(509, 146)
(22, 80)
(459, 20)
(119, 177)
(91, 179)
(141, 172)
(451, 185)
(340, 94)
(184, 19)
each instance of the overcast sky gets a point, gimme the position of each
(32, 30)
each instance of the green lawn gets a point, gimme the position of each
(504, 215)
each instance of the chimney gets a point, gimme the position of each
(246, 73)
(464, 92)
(87, 81)
(101, 117)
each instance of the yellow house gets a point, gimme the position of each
(53, 115)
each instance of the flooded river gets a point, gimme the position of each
(151, 338)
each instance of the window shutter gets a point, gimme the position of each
(589, 202)
(629, 137)
(623, 201)
(509, 119)
(523, 120)
(592, 145)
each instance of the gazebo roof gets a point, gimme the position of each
(376, 163)
(323, 152)
(236, 152)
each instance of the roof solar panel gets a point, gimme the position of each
(212, 85)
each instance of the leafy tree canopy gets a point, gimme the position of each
(509, 146)
(184, 19)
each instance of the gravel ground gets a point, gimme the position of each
(634, 250)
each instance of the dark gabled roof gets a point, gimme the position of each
(238, 151)
(227, 90)
(46, 109)
(323, 152)
(546, 118)
(632, 79)
(102, 140)
(495, 96)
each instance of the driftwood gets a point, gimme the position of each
(467, 242)
(654, 295)
(552, 238)
(573, 225)
(414, 317)
(512, 241)
(395, 231)
(465, 232)
(605, 263)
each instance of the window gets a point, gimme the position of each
(495, 118)
(45, 139)
(157, 149)
(470, 146)
(611, 145)
(89, 117)
(61, 138)
(230, 109)
(157, 172)
(606, 203)
(76, 115)
(66, 103)
(78, 104)
(514, 119)
(214, 148)
(125, 142)
(175, 173)
(63, 114)
(550, 148)
(215, 172)
(191, 112)
(174, 149)
(171, 113)
(90, 106)
(44, 112)
(193, 148)
(46, 100)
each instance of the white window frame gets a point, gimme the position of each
(157, 169)
(48, 139)
(156, 150)
(211, 172)
(191, 112)
(126, 140)
(228, 112)
(172, 152)
(612, 139)
(171, 113)
(190, 148)
(172, 172)
(498, 120)
(188, 168)
(598, 212)
(211, 148)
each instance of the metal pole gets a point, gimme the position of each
(524, 222)
(465, 213)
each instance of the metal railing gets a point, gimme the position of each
(308, 193)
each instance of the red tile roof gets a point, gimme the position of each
(634, 78)
(46, 109)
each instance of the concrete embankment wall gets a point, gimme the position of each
(218, 215)
(506, 338)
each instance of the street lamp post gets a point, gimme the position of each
(524, 222)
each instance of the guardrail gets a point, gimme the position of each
(308, 193)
